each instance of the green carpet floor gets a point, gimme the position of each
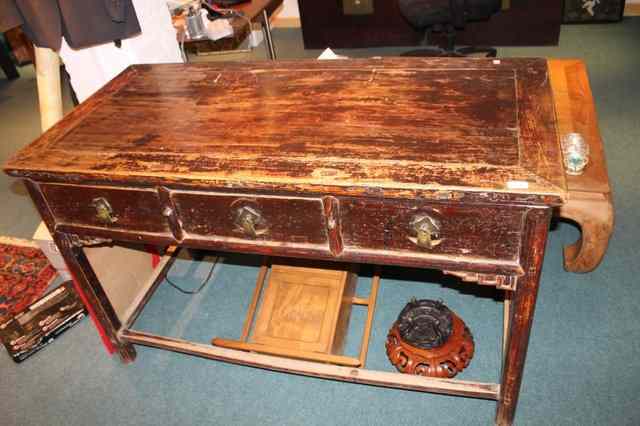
(582, 367)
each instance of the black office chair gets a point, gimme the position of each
(447, 16)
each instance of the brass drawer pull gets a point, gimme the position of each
(167, 211)
(104, 212)
(249, 221)
(425, 231)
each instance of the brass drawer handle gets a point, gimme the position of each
(104, 212)
(250, 222)
(167, 211)
(425, 231)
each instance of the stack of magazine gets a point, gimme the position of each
(42, 322)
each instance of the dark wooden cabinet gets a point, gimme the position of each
(524, 23)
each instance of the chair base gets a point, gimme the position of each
(450, 50)
(460, 52)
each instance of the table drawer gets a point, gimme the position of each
(252, 219)
(106, 207)
(414, 228)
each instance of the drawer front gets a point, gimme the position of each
(252, 219)
(106, 207)
(413, 228)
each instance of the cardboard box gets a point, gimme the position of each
(122, 269)
(43, 239)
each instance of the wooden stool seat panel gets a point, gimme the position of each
(304, 312)
(301, 308)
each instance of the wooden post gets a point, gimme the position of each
(86, 282)
(49, 88)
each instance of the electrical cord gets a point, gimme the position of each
(196, 291)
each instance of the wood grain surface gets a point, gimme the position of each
(301, 307)
(575, 109)
(589, 197)
(395, 125)
(490, 233)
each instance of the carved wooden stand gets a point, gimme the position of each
(444, 360)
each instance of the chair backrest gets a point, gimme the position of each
(458, 13)
(426, 13)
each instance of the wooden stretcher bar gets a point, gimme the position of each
(141, 299)
(342, 368)
(315, 369)
(314, 356)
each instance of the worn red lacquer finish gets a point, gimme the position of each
(431, 163)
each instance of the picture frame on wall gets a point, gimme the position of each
(585, 11)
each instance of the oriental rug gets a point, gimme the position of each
(25, 274)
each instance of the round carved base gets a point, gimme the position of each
(443, 361)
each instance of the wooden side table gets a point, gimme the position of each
(345, 161)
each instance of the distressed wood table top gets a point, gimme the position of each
(393, 126)
(447, 164)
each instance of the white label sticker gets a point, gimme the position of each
(517, 184)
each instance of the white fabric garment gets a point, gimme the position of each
(92, 67)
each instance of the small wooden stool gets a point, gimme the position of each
(304, 313)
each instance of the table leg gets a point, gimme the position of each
(89, 286)
(266, 29)
(522, 306)
(99, 305)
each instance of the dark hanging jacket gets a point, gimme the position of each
(83, 23)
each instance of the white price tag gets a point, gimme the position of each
(517, 184)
